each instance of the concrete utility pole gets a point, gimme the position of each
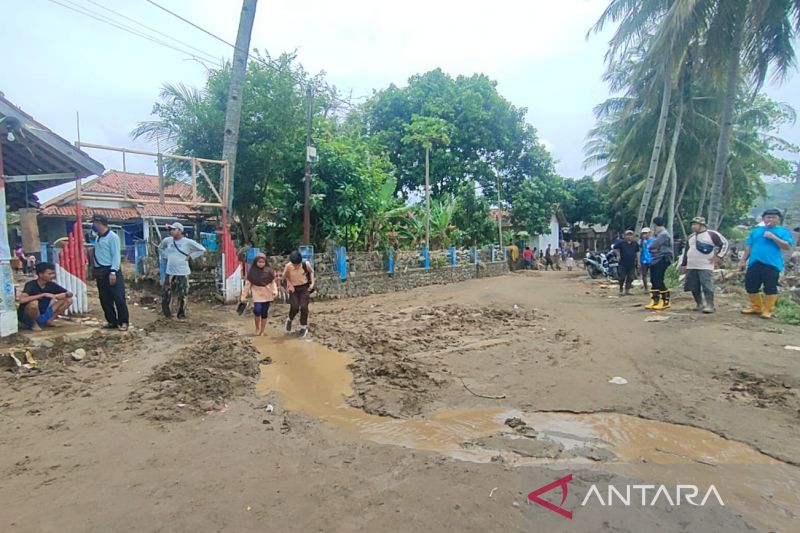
(233, 111)
(307, 195)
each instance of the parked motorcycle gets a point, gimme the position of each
(603, 264)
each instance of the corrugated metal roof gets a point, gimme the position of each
(37, 150)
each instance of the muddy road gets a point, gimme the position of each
(437, 409)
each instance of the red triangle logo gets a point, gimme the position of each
(534, 496)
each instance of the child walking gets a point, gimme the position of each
(261, 283)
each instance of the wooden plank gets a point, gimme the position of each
(39, 177)
(208, 180)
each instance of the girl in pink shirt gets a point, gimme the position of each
(261, 283)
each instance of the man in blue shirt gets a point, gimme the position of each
(763, 259)
(646, 258)
(107, 265)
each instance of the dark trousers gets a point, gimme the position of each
(760, 274)
(657, 272)
(112, 300)
(626, 276)
(298, 302)
(645, 272)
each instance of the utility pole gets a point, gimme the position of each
(499, 212)
(307, 195)
(233, 111)
(427, 197)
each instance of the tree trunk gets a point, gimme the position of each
(673, 189)
(723, 146)
(427, 198)
(657, 144)
(668, 169)
(681, 194)
(702, 203)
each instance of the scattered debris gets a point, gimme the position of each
(269, 408)
(656, 318)
(500, 397)
(79, 354)
(792, 348)
(618, 381)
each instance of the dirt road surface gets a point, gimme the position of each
(437, 409)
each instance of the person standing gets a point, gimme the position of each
(645, 257)
(177, 249)
(704, 250)
(261, 283)
(298, 276)
(628, 256)
(548, 258)
(763, 260)
(19, 254)
(107, 263)
(570, 258)
(513, 255)
(527, 258)
(662, 256)
(42, 299)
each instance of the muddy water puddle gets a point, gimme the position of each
(314, 380)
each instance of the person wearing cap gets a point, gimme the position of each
(662, 253)
(763, 260)
(645, 258)
(704, 250)
(628, 255)
(177, 249)
(107, 270)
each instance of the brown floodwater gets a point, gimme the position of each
(315, 380)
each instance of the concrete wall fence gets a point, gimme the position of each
(373, 273)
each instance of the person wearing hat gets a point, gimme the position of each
(177, 249)
(763, 260)
(662, 254)
(628, 255)
(107, 263)
(645, 258)
(704, 250)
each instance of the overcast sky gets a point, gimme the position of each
(57, 61)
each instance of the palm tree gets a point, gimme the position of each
(753, 36)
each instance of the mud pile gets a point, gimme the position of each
(400, 354)
(202, 378)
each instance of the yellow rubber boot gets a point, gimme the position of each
(770, 301)
(663, 302)
(653, 300)
(756, 308)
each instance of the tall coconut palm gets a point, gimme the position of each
(741, 36)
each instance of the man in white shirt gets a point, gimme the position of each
(702, 253)
(177, 250)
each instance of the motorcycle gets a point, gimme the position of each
(603, 264)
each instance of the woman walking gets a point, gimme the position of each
(263, 288)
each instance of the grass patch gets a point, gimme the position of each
(672, 276)
(787, 311)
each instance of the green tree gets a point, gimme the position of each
(585, 201)
(472, 217)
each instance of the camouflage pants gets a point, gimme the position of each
(175, 287)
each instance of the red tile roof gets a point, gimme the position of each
(69, 211)
(132, 187)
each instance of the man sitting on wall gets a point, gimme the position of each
(42, 299)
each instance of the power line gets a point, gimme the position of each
(101, 18)
(122, 15)
(190, 23)
(266, 63)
